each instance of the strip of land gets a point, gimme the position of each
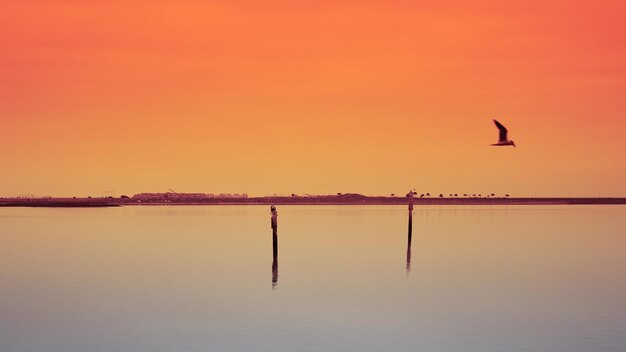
(343, 199)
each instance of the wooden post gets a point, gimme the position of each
(274, 222)
(410, 196)
(410, 234)
(410, 226)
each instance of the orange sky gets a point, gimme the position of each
(372, 97)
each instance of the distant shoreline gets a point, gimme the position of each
(317, 200)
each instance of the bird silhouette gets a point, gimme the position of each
(502, 140)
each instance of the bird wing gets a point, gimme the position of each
(502, 131)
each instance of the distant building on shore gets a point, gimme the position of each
(185, 196)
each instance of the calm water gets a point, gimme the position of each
(501, 278)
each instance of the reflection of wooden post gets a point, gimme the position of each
(275, 270)
(408, 244)
(274, 246)
(408, 260)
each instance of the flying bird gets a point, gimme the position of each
(503, 140)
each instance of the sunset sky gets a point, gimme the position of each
(373, 97)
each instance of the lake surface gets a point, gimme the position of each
(200, 278)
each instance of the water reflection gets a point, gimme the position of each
(274, 223)
(75, 280)
(408, 244)
(275, 264)
(410, 234)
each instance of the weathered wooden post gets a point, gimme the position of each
(274, 222)
(410, 234)
(410, 196)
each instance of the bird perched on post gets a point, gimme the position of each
(502, 140)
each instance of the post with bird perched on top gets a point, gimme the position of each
(274, 224)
